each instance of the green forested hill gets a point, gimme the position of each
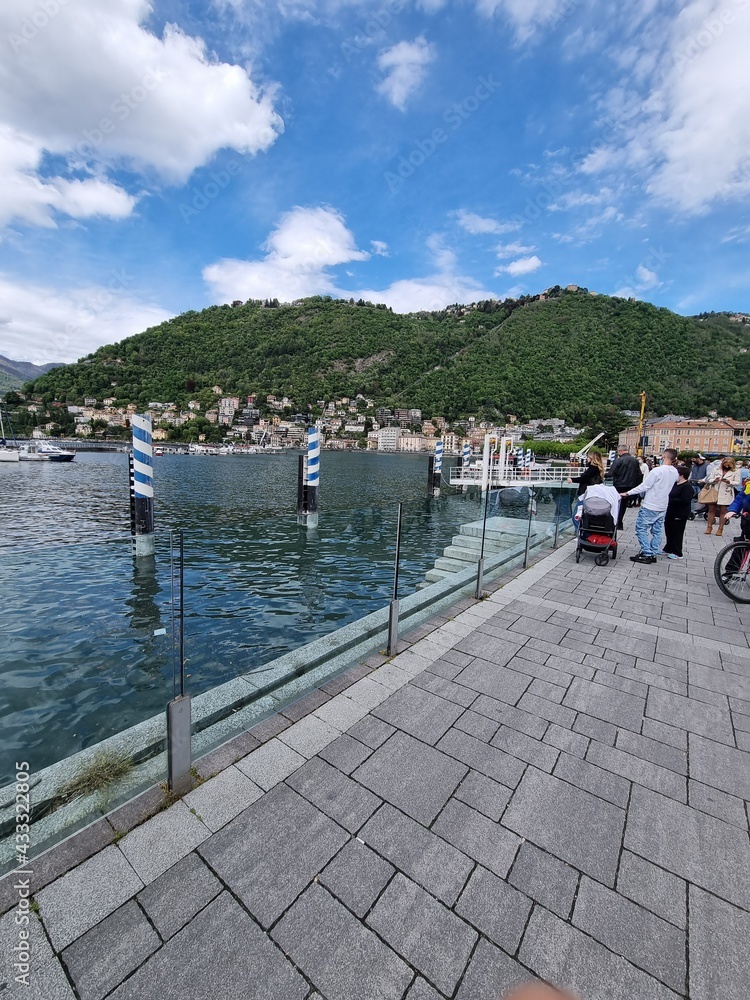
(570, 355)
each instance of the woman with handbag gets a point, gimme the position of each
(718, 493)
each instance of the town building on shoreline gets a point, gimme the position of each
(709, 437)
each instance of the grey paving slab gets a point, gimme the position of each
(495, 908)
(687, 713)
(340, 713)
(491, 974)
(161, 841)
(443, 687)
(478, 726)
(46, 979)
(627, 929)
(174, 898)
(721, 681)
(719, 934)
(399, 771)
(424, 857)
(552, 692)
(563, 955)
(662, 733)
(344, 800)
(345, 753)
(419, 713)
(570, 823)
(480, 757)
(717, 803)
(691, 844)
(309, 735)
(357, 876)
(583, 774)
(87, 894)
(483, 794)
(216, 760)
(507, 715)
(421, 990)
(492, 678)
(223, 797)
(221, 953)
(525, 748)
(270, 763)
(643, 772)
(720, 766)
(545, 878)
(549, 710)
(489, 647)
(652, 750)
(451, 658)
(269, 853)
(428, 935)
(342, 957)
(606, 703)
(658, 890)
(572, 743)
(105, 955)
(604, 732)
(477, 836)
(371, 732)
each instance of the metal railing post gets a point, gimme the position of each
(557, 515)
(480, 564)
(179, 715)
(528, 529)
(393, 610)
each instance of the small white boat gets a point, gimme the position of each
(45, 452)
(8, 453)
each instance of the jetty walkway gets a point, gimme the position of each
(552, 782)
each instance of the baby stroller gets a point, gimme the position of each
(597, 531)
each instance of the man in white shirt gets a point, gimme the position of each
(654, 490)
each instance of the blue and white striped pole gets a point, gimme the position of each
(142, 486)
(309, 480)
(466, 457)
(437, 469)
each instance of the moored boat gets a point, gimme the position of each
(45, 452)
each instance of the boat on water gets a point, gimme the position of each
(8, 453)
(45, 452)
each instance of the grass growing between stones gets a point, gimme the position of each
(101, 772)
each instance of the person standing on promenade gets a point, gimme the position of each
(654, 490)
(626, 473)
(592, 475)
(678, 512)
(724, 479)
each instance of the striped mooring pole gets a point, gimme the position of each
(308, 480)
(142, 487)
(437, 468)
(465, 462)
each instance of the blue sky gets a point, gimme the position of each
(161, 157)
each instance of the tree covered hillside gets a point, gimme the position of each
(569, 354)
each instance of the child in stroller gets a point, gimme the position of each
(597, 524)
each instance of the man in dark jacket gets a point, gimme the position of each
(625, 473)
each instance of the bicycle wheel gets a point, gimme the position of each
(732, 571)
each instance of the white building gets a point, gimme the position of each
(388, 438)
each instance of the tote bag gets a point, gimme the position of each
(709, 494)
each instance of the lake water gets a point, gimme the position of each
(79, 659)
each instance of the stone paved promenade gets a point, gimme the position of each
(552, 783)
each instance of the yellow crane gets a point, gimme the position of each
(641, 421)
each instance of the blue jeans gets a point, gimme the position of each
(649, 522)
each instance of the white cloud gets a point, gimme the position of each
(737, 234)
(26, 197)
(98, 90)
(524, 265)
(43, 324)
(308, 241)
(683, 109)
(478, 225)
(646, 277)
(379, 248)
(527, 16)
(504, 250)
(405, 67)
(304, 244)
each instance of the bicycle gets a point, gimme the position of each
(732, 571)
